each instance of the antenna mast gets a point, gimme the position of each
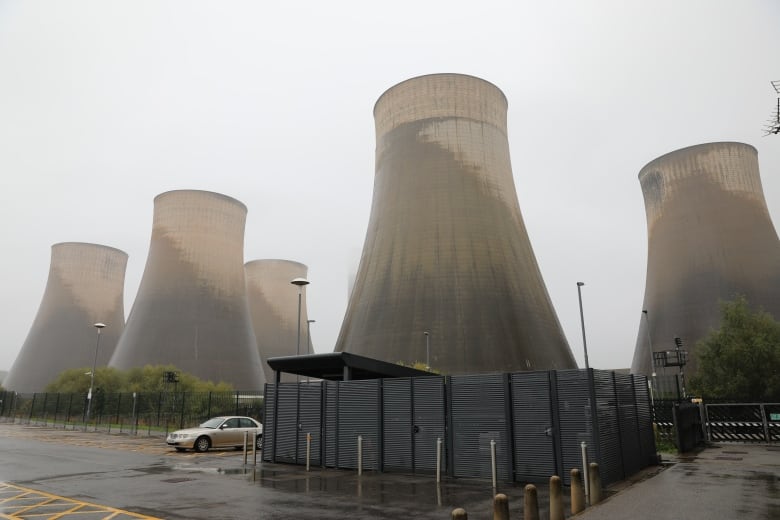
(773, 124)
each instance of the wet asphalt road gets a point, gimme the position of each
(142, 475)
(722, 482)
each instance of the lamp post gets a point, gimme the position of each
(582, 321)
(99, 326)
(651, 372)
(300, 282)
(427, 350)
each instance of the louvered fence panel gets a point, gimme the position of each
(397, 424)
(359, 416)
(644, 420)
(330, 432)
(310, 419)
(575, 419)
(630, 446)
(534, 433)
(286, 427)
(269, 419)
(429, 423)
(610, 457)
(478, 405)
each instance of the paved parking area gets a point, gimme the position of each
(17, 502)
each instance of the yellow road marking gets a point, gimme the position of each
(17, 503)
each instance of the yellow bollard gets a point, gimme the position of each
(459, 514)
(531, 503)
(556, 498)
(595, 483)
(501, 507)
(577, 492)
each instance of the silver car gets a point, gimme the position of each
(218, 432)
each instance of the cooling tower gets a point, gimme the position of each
(710, 238)
(85, 286)
(191, 308)
(446, 251)
(273, 305)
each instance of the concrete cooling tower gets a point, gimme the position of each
(85, 286)
(273, 305)
(191, 308)
(446, 251)
(710, 238)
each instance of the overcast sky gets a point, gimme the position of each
(104, 105)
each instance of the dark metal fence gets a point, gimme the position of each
(150, 413)
(535, 423)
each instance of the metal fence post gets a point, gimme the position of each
(360, 454)
(493, 463)
(765, 424)
(585, 479)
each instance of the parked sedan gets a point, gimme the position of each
(217, 432)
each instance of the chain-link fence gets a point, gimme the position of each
(135, 413)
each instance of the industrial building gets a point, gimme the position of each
(710, 238)
(447, 276)
(85, 287)
(191, 308)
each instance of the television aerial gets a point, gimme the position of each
(773, 124)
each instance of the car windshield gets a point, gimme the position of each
(212, 423)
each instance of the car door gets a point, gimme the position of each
(229, 434)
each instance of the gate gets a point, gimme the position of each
(743, 422)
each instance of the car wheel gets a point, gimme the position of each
(202, 444)
(180, 449)
(259, 442)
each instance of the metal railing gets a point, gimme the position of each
(135, 413)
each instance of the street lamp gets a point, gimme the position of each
(300, 282)
(582, 321)
(427, 350)
(99, 326)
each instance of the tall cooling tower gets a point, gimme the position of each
(85, 286)
(191, 308)
(273, 304)
(446, 251)
(710, 238)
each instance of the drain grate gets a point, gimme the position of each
(728, 458)
(177, 480)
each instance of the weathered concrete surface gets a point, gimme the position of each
(726, 481)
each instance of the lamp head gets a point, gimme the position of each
(300, 282)
(99, 325)
(580, 284)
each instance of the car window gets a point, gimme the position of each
(247, 423)
(212, 423)
(231, 423)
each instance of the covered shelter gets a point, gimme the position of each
(340, 366)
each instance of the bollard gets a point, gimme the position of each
(459, 514)
(556, 498)
(501, 507)
(360, 455)
(308, 451)
(595, 483)
(438, 460)
(254, 449)
(493, 462)
(577, 493)
(246, 452)
(584, 447)
(530, 503)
